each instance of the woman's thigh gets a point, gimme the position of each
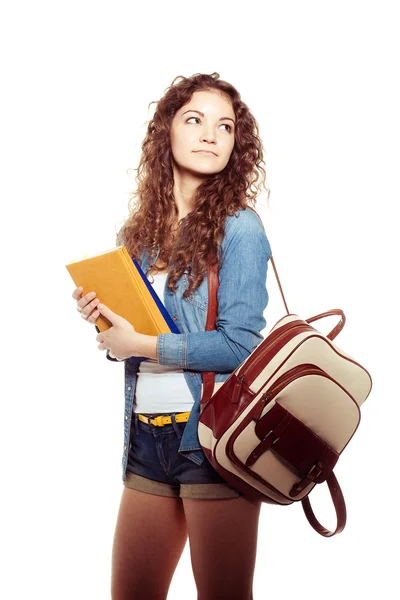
(223, 545)
(149, 538)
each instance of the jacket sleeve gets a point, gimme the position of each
(242, 299)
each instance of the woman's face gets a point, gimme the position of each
(205, 123)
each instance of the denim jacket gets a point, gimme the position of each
(242, 299)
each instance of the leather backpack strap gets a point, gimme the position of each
(209, 376)
(339, 504)
(273, 264)
(279, 284)
(336, 311)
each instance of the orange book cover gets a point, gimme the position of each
(120, 284)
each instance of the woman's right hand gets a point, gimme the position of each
(86, 305)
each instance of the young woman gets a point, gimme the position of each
(196, 179)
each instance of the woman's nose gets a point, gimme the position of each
(208, 135)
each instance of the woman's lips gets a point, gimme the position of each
(205, 152)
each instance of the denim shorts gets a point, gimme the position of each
(156, 467)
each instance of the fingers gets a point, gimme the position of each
(85, 301)
(86, 304)
(93, 316)
(86, 311)
(77, 292)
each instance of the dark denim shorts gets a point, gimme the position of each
(155, 466)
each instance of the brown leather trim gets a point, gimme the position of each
(304, 340)
(209, 376)
(212, 297)
(338, 328)
(270, 347)
(310, 455)
(339, 504)
(242, 467)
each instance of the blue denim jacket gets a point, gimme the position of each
(242, 299)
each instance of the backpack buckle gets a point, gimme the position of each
(311, 476)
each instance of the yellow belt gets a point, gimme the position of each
(162, 420)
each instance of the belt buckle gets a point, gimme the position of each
(159, 420)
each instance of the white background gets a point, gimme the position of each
(321, 79)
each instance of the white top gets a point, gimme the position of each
(161, 388)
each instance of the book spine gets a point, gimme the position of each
(157, 317)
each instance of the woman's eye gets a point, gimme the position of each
(198, 119)
(226, 125)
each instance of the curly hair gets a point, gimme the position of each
(152, 224)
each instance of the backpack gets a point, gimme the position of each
(277, 426)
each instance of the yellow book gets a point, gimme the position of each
(120, 284)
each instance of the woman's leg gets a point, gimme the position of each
(149, 538)
(223, 544)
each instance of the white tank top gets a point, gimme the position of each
(161, 388)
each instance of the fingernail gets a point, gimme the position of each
(100, 306)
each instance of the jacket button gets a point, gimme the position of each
(126, 417)
(129, 387)
(191, 373)
(124, 447)
(175, 317)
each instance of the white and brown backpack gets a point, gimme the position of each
(277, 426)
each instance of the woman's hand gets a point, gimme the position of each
(123, 340)
(119, 338)
(87, 305)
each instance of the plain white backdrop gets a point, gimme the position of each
(321, 79)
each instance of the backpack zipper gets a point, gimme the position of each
(282, 381)
(249, 370)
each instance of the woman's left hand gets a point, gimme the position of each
(120, 338)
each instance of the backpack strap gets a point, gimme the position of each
(209, 376)
(339, 504)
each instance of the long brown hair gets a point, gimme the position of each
(152, 223)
